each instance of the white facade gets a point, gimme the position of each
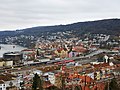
(14, 83)
(10, 83)
(28, 62)
(51, 77)
(2, 86)
(44, 60)
(6, 84)
(106, 58)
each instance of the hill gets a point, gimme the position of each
(106, 26)
(28, 37)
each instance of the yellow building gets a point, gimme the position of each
(8, 63)
(2, 63)
(98, 75)
(62, 53)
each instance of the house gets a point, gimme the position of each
(8, 63)
(2, 85)
(72, 54)
(16, 57)
(1, 63)
(29, 54)
(5, 62)
(62, 52)
(78, 50)
(7, 81)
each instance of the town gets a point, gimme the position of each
(59, 45)
(61, 61)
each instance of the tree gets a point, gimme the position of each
(37, 82)
(78, 88)
(112, 85)
(38, 52)
(53, 88)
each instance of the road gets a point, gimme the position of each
(91, 54)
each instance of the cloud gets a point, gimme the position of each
(15, 14)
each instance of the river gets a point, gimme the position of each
(9, 48)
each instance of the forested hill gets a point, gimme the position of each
(106, 26)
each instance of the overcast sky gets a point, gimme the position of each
(16, 14)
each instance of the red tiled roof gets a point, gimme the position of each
(79, 49)
(1, 81)
(86, 78)
(6, 77)
(101, 86)
(28, 85)
(59, 50)
(101, 65)
(85, 88)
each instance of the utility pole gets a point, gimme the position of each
(85, 81)
(108, 85)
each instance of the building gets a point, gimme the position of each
(8, 82)
(1, 63)
(29, 54)
(2, 85)
(5, 62)
(16, 57)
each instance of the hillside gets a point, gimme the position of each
(107, 26)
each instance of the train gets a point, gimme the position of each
(53, 62)
(64, 62)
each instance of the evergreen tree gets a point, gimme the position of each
(78, 88)
(112, 85)
(53, 88)
(37, 52)
(37, 82)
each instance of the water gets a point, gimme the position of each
(9, 48)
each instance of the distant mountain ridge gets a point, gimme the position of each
(106, 26)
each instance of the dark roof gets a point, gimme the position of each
(6, 77)
(1, 82)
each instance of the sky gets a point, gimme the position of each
(19, 14)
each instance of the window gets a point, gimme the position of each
(0, 88)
